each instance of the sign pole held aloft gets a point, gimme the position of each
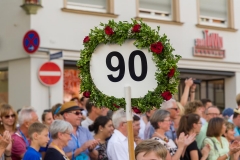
(127, 93)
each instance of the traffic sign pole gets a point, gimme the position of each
(127, 93)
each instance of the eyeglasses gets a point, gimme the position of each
(76, 113)
(213, 114)
(67, 133)
(169, 121)
(176, 109)
(8, 116)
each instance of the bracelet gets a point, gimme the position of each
(7, 155)
(192, 91)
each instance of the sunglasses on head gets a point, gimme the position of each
(76, 113)
(8, 116)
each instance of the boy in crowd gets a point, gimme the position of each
(38, 134)
(150, 150)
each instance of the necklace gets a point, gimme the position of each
(165, 139)
(60, 150)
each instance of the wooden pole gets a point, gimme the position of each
(127, 92)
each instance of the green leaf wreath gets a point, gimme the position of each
(160, 48)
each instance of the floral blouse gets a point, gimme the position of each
(170, 145)
(102, 151)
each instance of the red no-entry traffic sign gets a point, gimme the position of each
(49, 73)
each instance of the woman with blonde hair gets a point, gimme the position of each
(8, 118)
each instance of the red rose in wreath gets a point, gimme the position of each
(157, 47)
(166, 95)
(116, 106)
(171, 72)
(86, 39)
(136, 28)
(87, 94)
(136, 110)
(108, 30)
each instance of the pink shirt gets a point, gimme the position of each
(19, 146)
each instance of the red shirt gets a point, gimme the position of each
(19, 146)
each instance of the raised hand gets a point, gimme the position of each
(189, 139)
(181, 140)
(5, 140)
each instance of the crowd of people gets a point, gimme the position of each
(79, 130)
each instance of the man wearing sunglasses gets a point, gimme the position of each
(82, 143)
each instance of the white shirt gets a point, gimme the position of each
(87, 122)
(117, 148)
(203, 121)
(142, 128)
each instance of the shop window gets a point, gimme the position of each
(71, 83)
(4, 86)
(103, 6)
(159, 9)
(216, 13)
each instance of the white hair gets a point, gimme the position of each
(25, 115)
(59, 126)
(118, 117)
(167, 104)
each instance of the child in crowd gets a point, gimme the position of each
(38, 134)
(150, 149)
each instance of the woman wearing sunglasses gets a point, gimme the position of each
(8, 118)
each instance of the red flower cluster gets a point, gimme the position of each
(171, 72)
(136, 28)
(86, 39)
(116, 106)
(136, 110)
(157, 47)
(87, 94)
(108, 30)
(166, 95)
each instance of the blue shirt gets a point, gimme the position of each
(32, 154)
(82, 135)
(171, 134)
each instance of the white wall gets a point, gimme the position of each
(66, 30)
(14, 23)
(19, 83)
(232, 88)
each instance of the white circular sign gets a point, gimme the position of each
(113, 67)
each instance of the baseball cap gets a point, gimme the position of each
(228, 112)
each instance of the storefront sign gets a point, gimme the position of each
(210, 46)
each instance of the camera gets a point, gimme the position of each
(197, 81)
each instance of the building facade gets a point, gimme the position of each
(204, 32)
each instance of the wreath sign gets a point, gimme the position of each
(145, 37)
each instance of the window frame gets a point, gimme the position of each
(230, 18)
(109, 10)
(175, 14)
